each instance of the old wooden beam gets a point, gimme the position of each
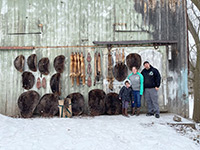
(135, 42)
(16, 47)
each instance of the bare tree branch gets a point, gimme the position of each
(196, 3)
(194, 33)
(192, 67)
(197, 17)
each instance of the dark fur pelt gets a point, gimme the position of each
(32, 62)
(48, 106)
(96, 102)
(19, 63)
(43, 66)
(59, 63)
(120, 72)
(27, 103)
(55, 84)
(132, 60)
(28, 80)
(113, 104)
(78, 103)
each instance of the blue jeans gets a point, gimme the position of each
(137, 99)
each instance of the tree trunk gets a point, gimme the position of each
(196, 72)
(196, 86)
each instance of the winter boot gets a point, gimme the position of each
(123, 111)
(126, 113)
(138, 112)
(133, 111)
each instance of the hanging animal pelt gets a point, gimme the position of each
(44, 82)
(28, 80)
(82, 68)
(96, 102)
(123, 56)
(133, 59)
(89, 70)
(78, 104)
(89, 81)
(113, 104)
(120, 56)
(19, 63)
(120, 71)
(110, 77)
(43, 66)
(32, 62)
(72, 68)
(48, 106)
(27, 103)
(55, 84)
(78, 71)
(76, 74)
(38, 83)
(117, 56)
(59, 63)
(89, 58)
(75, 65)
(95, 68)
(98, 67)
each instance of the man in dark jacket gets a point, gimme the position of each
(151, 85)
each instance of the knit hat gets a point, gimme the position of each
(145, 62)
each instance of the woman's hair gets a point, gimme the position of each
(135, 67)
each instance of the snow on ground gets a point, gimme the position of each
(93, 133)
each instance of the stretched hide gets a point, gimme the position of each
(28, 80)
(113, 104)
(44, 83)
(89, 81)
(72, 68)
(59, 63)
(89, 58)
(27, 103)
(48, 106)
(110, 76)
(38, 84)
(132, 60)
(82, 68)
(120, 72)
(98, 67)
(19, 63)
(43, 66)
(78, 104)
(97, 102)
(32, 62)
(55, 84)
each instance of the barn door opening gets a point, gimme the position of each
(158, 59)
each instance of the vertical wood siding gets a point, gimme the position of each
(80, 22)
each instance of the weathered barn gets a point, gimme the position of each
(154, 29)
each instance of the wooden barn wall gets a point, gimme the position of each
(11, 81)
(78, 22)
